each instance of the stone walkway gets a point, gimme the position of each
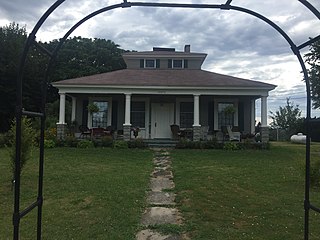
(160, 201)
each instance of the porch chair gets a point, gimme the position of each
(176, 132)
(84, 131)
(233, 136)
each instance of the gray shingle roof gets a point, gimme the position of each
(166, 78)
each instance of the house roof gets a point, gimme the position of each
(164, 78)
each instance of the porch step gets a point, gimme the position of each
(161, 143)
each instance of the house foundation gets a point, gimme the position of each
(61, 130)
(264, 134)
(196, 133)
(126, 132)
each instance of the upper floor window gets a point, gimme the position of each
(177, 63)
(149, 63)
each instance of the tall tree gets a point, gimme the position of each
(313, 59)
(287, 118)
(12, 38)
(78, 57)
(85, 56)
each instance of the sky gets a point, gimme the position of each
(237, 44)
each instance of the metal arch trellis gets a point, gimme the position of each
(17, 214)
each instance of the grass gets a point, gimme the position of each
(244, 194)
(88, 194)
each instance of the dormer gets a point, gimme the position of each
(164, 58)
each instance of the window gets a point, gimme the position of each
(149, 63)
(225, 114)
(138, 111)
(100, 118)
(186, 114)
(177, 63)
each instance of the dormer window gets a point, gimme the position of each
(177, 63)
(149, 63)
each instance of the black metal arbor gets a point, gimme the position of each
(31, 41)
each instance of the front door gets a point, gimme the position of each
(162, 116)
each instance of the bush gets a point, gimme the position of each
(120, 144)
(107, 141)
(49, 143)
(137, 143)
(27, 142)
(231, 146)
(50, 134)
(71, 141)
(85, 144)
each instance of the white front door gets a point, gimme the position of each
(162, 116)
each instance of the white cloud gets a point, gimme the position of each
(237, 44)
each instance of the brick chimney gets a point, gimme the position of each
(187, 48)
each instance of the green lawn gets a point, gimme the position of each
(88, 193)
(100, 193)
(244, 194)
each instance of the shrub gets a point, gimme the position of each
(106, 141)
(50, 134)
(231, 146)
(71, 141)
(49, 143)
(85, 144)
(27, 142)
(120, 144)
(137, 143)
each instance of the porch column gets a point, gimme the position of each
(253, 116)
(61, 125)
(127, 123)
(196, 119)
(264, 118)
(73, 111)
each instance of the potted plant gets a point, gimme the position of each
(229, 110)
(93, 108)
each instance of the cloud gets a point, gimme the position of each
(237, 44)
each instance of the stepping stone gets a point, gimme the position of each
(162, 173)
(161, 198)
(161, 215)
(152, 235)
(160, 183)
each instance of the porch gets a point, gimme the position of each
(150, 116)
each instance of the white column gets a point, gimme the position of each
(196, 115)
(253, 116)
(264, 113)
(62, 110)
(73, 111)
(127, 110)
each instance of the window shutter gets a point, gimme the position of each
(186, 63)
(169, 63)
(141, 63)
(157, 63)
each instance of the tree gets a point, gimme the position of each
(287, 118)
(12, 38)
(313, 59)
(78, 57)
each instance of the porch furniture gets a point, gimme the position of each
(188, 133)
(84, 131)
(176, 132)
(98, 132)
(233, 136)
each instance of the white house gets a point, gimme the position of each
(160, 88)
